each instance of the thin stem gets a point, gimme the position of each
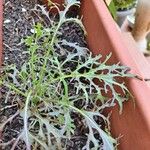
(25, 120)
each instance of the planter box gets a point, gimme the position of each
(104, 37)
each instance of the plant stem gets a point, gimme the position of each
(25, 120)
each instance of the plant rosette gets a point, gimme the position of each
(48, 92)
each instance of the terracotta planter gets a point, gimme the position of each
(104, 37)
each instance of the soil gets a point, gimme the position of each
(18, 21)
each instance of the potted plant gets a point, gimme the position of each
(140, 32)
(55, 88)
(123, 9)
(120, 124)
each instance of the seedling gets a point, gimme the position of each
(48, 91)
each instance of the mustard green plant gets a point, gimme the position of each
(47, 89)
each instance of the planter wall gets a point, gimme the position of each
(105, 37)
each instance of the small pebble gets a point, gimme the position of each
(6, 58)
(24, 10)
(7, 21)
(32, 31)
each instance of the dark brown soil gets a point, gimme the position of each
(18, 21)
